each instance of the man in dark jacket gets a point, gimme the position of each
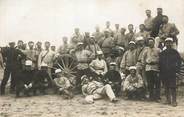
(170, 62)
(13, 63)
(113, 78)
(157, 21)
(25, 79)
(41, 80)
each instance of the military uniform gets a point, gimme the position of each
(13, 63)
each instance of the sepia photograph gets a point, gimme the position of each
(91, 58)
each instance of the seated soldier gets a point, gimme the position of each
(113, 78)
(92, 90)
(98, 66)
(133, 86)
(24, 80)
(42, 80)
(63, 84)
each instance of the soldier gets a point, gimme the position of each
(133, 86)
(25, 79)
(148, 22)
(107, 28)
(116, 32)
(120, 39)
(142, 33)
(157, 21)
(42, 79)
(31, 54)
(168, 30)
(63, 84)
(169, 63)
(97, 34)
(13, 63)
(38, 49)
(93, 90)
(83, 58)
(113, 78)
(107, 43)
(20, 44)
(46, 56)
(76, 37)
(150, 61)
(93, 47)
(129, 58)
(65, 47)
(129, 36)
(98, 66)
(53, 48)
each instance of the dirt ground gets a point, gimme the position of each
(55, 106)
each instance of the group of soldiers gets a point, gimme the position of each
(110, 63)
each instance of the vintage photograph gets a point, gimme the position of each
(91, 58)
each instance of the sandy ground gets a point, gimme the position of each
(56, 106)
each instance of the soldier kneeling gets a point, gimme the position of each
(63, 85)
(133, 86)
(42, 80)
(24, 80)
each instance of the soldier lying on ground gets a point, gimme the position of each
(63, 85)
(93, 90)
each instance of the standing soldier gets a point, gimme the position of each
(31, 54)
(107, 43)
(116, 32)
(168, 30)
(157, 21)
(46, 56)
(38, 50)
(97, 34)
(107, 28)
(120, 39)
(129, 36)
(13, 63)
(77, 37)
(150, 61)
(129, 58)
(148, 22)
(142, 33)
(170, 62)
(65, 47)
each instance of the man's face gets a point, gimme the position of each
(159, 11)
(141, 27)
(148, 13)
(151, 43)
(87, 34)
(168, 44)
(76, 30)
(130, 28)
(31, 45)
(53, 48)
(47, 45)
(97, 29)
(39, 44)
(133, 72)
(20, 44)
(117, 26)
(107, 33)
(131, 46)
(112, 67)
(164, 19)
(65, 40)
(28, 68)
(108, 24)
(123, 31)
(12, 44)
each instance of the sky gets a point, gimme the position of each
(50, 20)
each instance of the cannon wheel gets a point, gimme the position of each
(67, 63)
